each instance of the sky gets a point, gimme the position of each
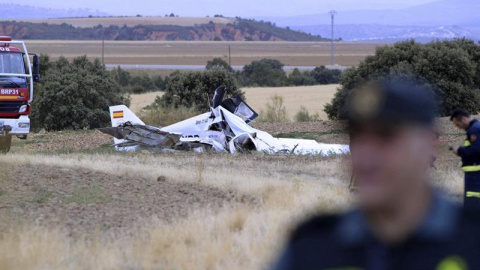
(230, 8)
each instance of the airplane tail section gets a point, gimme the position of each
(130, 133)
(120, 114)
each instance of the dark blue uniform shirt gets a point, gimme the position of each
(470, 152)
(449, 238)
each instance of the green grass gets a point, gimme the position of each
(29, 141)
(90, 195)
(65, 151)
(42, 196)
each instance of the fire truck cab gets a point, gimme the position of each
(17, 76)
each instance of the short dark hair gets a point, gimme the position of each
(459, 114)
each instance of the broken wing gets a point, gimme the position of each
(142, 135)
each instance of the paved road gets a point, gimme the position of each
(197, 67)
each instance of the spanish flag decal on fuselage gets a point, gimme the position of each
(117, 114)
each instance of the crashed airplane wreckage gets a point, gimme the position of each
(224, 129)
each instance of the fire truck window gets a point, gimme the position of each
(11, 63)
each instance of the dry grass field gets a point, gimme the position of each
(67, 200)
(132, 21)
(313, 98)
(198, 53)
(140, 101)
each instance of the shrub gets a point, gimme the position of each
(144, 81)
(266, 72)
(218, 63)
(194, 89)
(45, 63)
(303, 115)
(160, 82)
(451, 69)
(136, 89)
(121, 76)
(165, 116)
(322, 75)
(275, 111)
(139, 83)
(298, 78)
(75, 95)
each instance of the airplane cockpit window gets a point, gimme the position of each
(241, 109)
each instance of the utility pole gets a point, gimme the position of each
(332, 57)
(229, 56)
(103, 51)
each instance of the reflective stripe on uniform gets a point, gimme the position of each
(466, 143)
(474, 194)
(472, 168)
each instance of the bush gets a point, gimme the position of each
(161, 117)
(266, 72)
(137, 84)
(218, 63)
(194, 89)
(275, 111)
(121, 76)
(136, 89)
(45, 64)
(298, 78)
(322, 75)
(269, 72)
(451, 69)
(144, 81)
(303, 115)
(159, 82)
(74, 95)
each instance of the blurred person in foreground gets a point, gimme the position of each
(401, 221)
(470, 154)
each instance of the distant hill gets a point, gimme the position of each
(393, 33)
(14, 11)
(445, 19)
(440, 13)
(234, 30)
(134, 21)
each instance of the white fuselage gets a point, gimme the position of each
(200, 129)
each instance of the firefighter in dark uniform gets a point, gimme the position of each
(470, 154)
(401, 221)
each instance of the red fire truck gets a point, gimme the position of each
(17, 75)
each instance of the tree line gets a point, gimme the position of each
(262, 73)
(449, 68)
(76, 94)
(270, 73)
